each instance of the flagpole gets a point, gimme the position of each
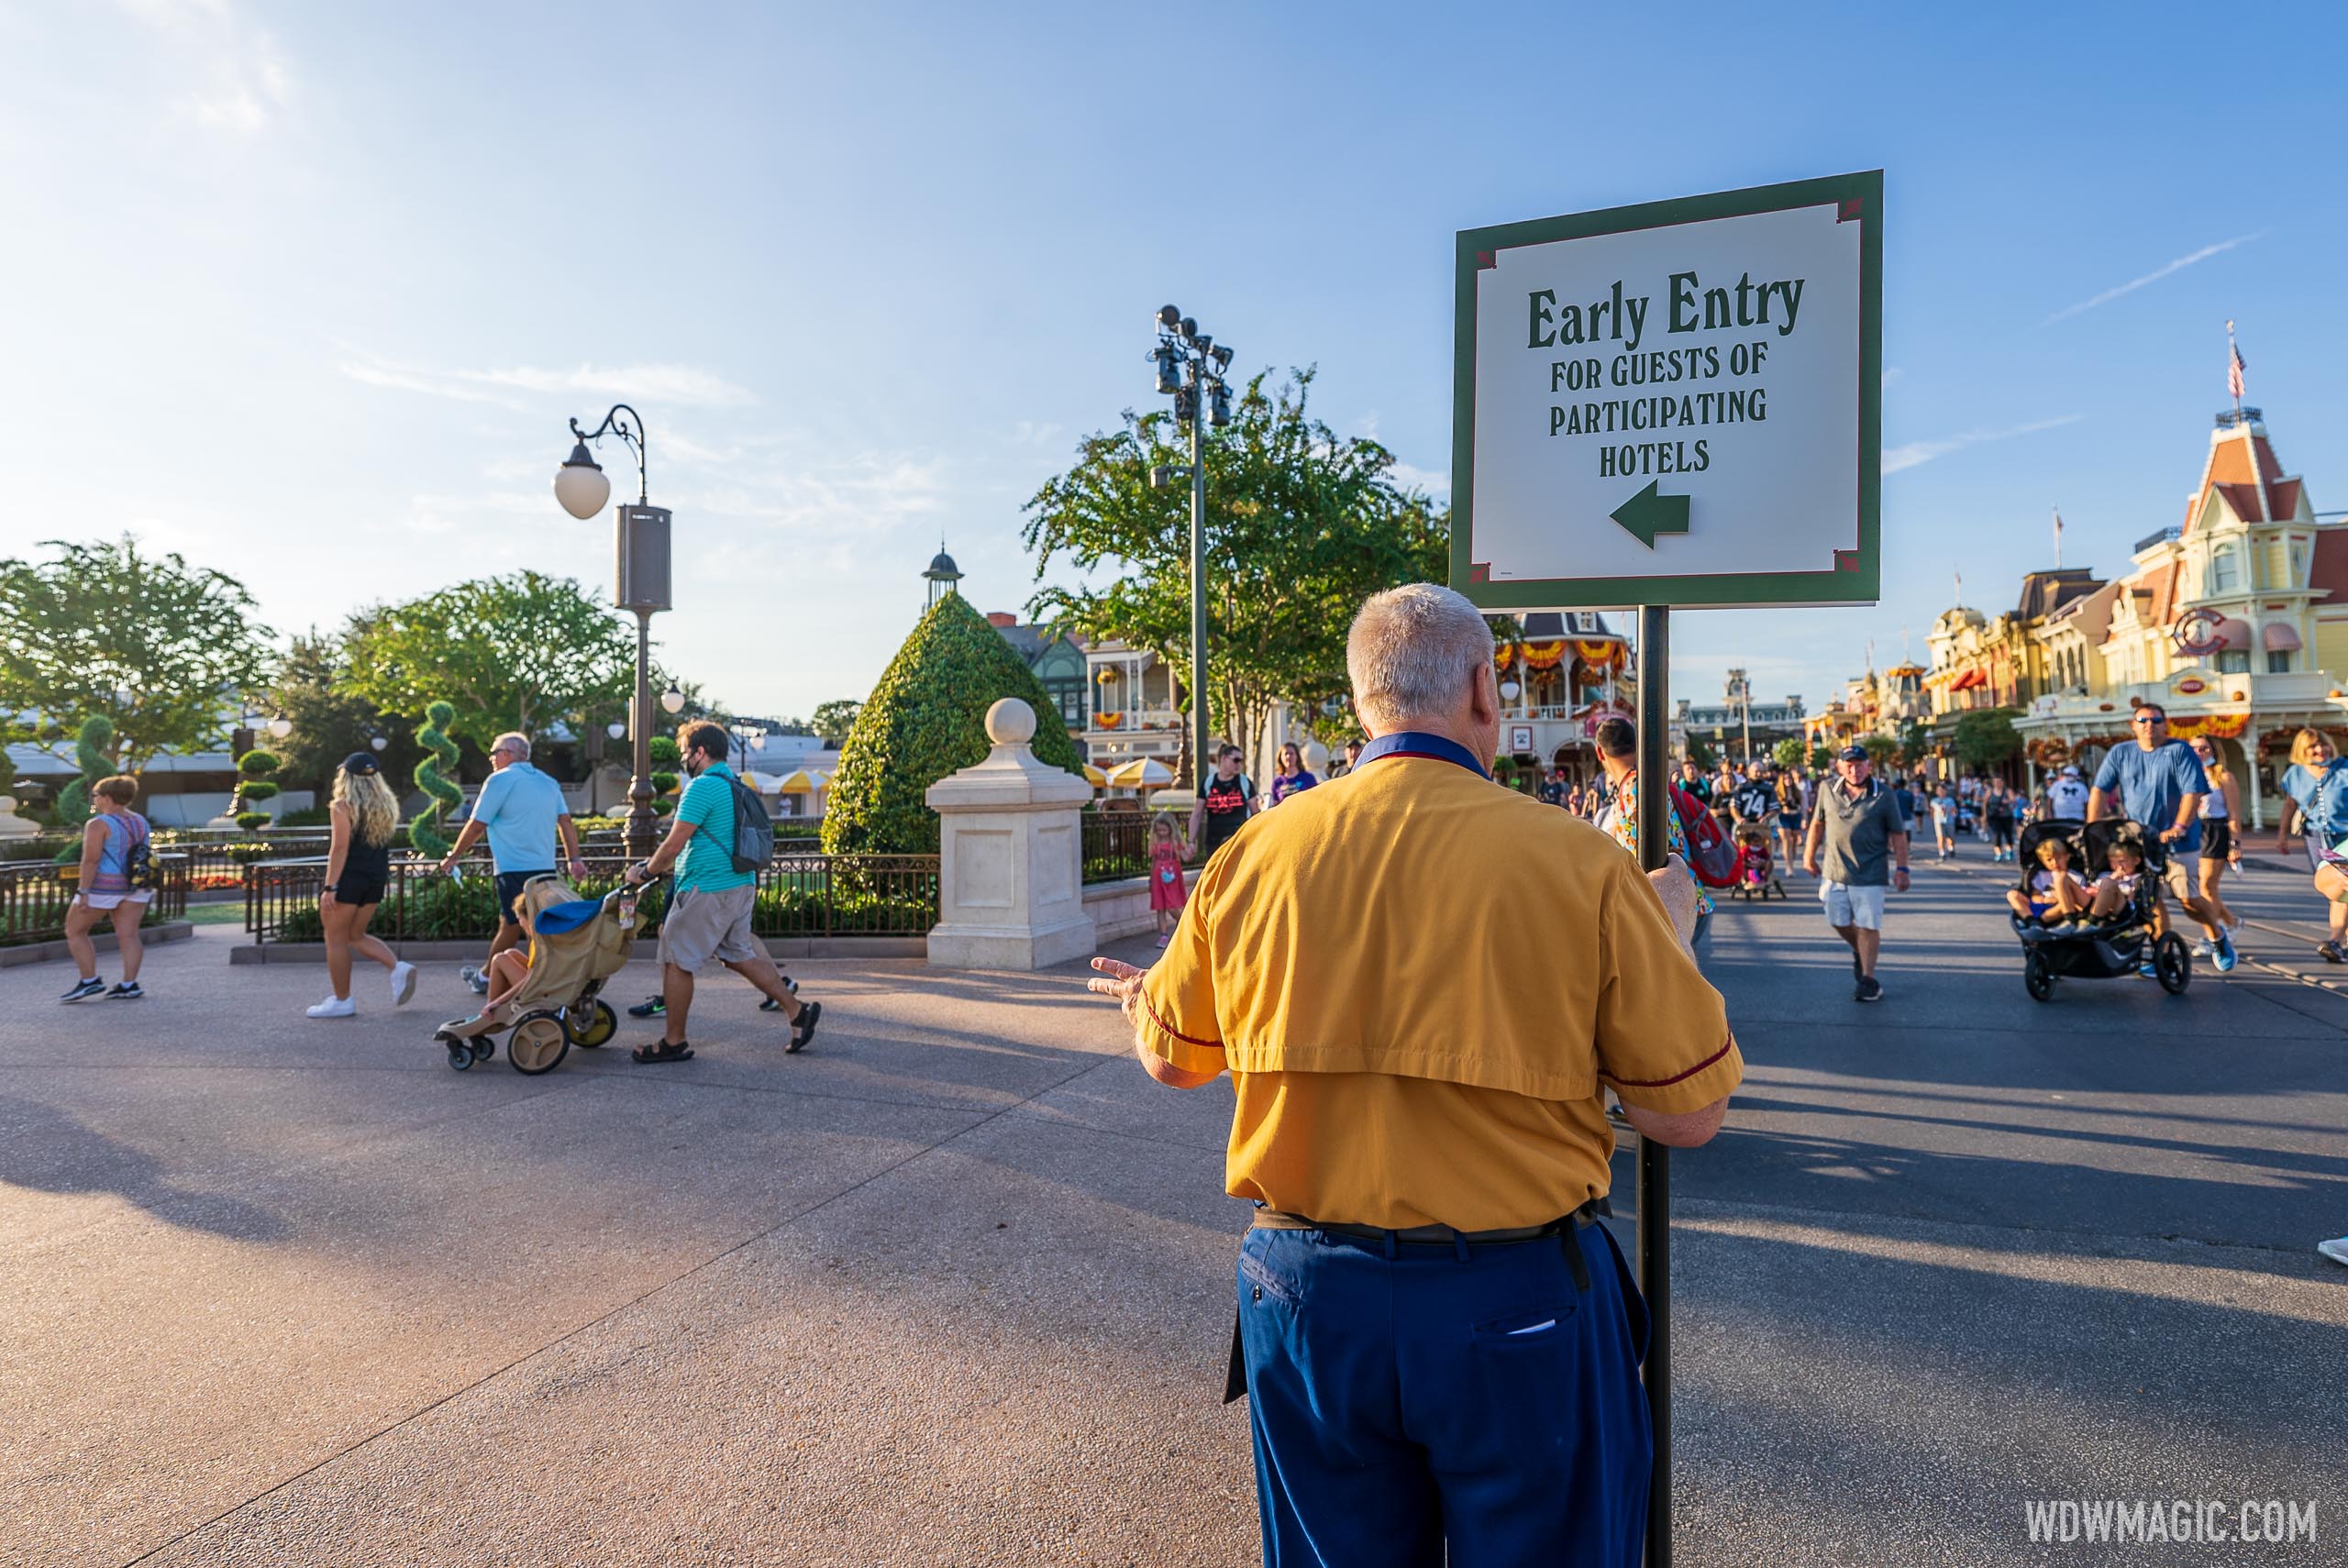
(2058, 538)
(2234, 377)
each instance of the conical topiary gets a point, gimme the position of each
(92, 749)
(924, 720)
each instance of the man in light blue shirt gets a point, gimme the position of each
(2159, 782)
(523, 812)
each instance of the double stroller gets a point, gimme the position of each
(2105, 949)
(576, 944)
(1756, 865)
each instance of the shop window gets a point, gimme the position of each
(2225, 574)
(2278, 661)
(2234, 661)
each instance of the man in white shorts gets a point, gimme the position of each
(1857, 827)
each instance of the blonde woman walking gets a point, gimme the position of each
(2220, 822)
(361, 821)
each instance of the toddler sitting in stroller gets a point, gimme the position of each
(2055, 893)
(2116, 888)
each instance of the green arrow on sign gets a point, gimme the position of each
(1648, 515)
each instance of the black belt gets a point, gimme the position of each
(1234, 1380)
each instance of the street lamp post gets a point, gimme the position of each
(1191, 368)
(639, 583)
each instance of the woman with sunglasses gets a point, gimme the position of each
(2315, 787)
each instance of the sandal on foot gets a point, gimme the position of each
(803, 1027)
(649, 1055)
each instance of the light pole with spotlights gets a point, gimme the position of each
(639, 583)
(1190, 367)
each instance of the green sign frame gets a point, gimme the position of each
(1857, 575)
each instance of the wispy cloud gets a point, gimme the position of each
(677, 386)
(241, 81)
(2180, 265)
(1916, 452)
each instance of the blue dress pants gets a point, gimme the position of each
(1404, 1396)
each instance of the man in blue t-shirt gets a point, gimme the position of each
(710, 907)
(523, 812)
(2158, 782)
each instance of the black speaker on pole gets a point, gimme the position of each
(640, 565)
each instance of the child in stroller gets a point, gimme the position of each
(2122, 929)
(1756, 868)
(548, 998)
(2052, 894)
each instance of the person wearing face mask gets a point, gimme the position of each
(709, 910)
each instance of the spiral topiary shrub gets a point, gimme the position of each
(253, 787)
(93, 754)
(432, 778)
(924, 720)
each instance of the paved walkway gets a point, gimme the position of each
(952, 1286)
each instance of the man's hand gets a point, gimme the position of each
(448, 863)
(1678, 892)
(1810, 864)
(578, 867)
(1122, 982)
(1899, 878)
(2171, 833)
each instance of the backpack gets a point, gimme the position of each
(138, 858)
(1712, 853)
(753, 845)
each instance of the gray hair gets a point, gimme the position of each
(1412, 652)
(515, 742)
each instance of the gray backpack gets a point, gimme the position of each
(753, 847)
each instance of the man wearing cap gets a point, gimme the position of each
(1857, 829)
(1439, 1342)
(2158, 782)
(2066, 796)
(523, 812)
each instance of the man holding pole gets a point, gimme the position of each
(1440, 1354)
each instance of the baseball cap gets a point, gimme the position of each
(2072, 772)
(361, 762)
(1851, 754)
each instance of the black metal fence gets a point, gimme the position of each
(1117, 843)
(798, 895)
(34, 897)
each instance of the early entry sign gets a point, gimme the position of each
(1674, 403)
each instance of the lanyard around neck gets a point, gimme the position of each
(1419, 743)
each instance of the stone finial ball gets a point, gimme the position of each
(1011, 721)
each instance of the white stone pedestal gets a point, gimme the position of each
(1011, 856)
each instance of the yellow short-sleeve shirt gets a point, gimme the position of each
(1418, 981)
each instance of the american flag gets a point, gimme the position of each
(2233, 369)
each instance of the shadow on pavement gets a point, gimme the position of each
(45, 1149)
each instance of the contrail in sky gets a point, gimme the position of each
(2178, 265)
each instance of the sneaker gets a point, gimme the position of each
(2202, 949)
(2332, 952)
(2149, 969)
(2226, 956)
(84, 989)
(651, 1007)
(403, 982)
(767, 1004)
(2336, 1249)
(335, 1007)
(1870, 989)
(477, 980)
(126, 991)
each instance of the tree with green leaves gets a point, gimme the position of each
(925, 720)
(1821, 757)
(1881, 750)
(833, 720)
(159, 649)
(519, 652)
(93, 754)
(1789, 753)
(330, 721)
(1986, 737)
(1701, 753)
(1302, 526)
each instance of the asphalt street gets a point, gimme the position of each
(953, 1287)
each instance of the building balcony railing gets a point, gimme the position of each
(1126, 721)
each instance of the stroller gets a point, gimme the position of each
(577, 944)
(2099, 950)
(1756, 865)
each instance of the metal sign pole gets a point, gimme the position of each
(1654, 1185)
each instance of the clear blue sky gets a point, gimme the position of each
(307, 292)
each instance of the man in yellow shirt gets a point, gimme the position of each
(1421, 984)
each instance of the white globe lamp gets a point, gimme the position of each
(579, 485)
(673, 699)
